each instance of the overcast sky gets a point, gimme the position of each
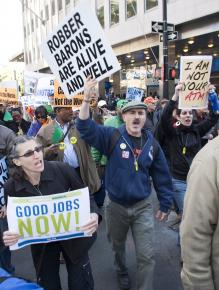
(11, 31)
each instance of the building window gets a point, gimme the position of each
(59, 5)
(33, 54)
(47, 13)
(131, 8)
(30, 60)
(114, 12)
(41, 15)
(150, 4)
(32, 26)
(53, 8)
(36, 21)
(25, 32)
(28, 29)
(100, 11)
(67, 2)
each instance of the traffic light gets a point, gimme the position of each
(172, 73)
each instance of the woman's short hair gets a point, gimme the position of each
(15, 171)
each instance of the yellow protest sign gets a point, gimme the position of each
(8, 96)
(61, 101)
(195, 74)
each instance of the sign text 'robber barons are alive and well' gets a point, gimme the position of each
(79, 48)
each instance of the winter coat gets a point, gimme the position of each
(200, 223)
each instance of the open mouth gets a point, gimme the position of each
(136, 122)
(38, 163)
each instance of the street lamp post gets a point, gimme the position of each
(165, 52)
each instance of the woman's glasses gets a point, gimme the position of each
(31, 152)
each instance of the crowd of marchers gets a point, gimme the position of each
(120, 150)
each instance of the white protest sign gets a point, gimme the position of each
(195, 73)
(49, 218)
(134, 94)
(79, 48)
(3, 178)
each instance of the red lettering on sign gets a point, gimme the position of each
(192, 96)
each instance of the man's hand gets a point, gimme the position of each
(3, 212)
(161, 216)
(92, 225)
(10, 238)
(89, 90)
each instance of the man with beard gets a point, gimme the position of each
(134, 158)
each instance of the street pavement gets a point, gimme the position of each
(167, 271)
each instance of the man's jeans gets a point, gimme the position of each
(139, 218)
(179, 189)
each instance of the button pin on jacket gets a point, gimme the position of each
(61, 146)
(184, 150)
(122, 146)
(73, 140)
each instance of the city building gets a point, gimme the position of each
(128, 26)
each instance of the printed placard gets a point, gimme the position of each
(134, 94)
(49, 218)
(3, 178)
(195, 73)
(79, 48)
(61, 101)
(8, 96)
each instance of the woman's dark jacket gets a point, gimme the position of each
(57, 177)
(180, 137)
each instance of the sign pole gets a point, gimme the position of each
(165, 52)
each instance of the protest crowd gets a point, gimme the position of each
(130, 160)
(120, 153)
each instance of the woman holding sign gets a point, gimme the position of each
(30, 175)
(184, 140)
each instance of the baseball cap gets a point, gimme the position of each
(150, 100)
(121, 103)
(101, 103)
(134, 105)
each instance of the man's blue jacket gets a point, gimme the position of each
(125, 183)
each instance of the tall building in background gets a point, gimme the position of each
(128, 26)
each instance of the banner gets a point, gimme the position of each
(3, 178)
(49, 218)
(134, 94)
(195, 73)
(77, 49)
(39, 86)
(61, 101)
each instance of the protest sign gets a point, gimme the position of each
(61, 101)
(3, 178)
(48, 218)
(8, 96)
(195, 73)
(8, 93)
(134, 94)
(77, 49)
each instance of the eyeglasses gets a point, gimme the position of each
(31, 152)
(41, 117)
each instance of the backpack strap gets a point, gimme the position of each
(115, 137)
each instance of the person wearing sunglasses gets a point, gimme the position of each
(30, 175)
(41, 119)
